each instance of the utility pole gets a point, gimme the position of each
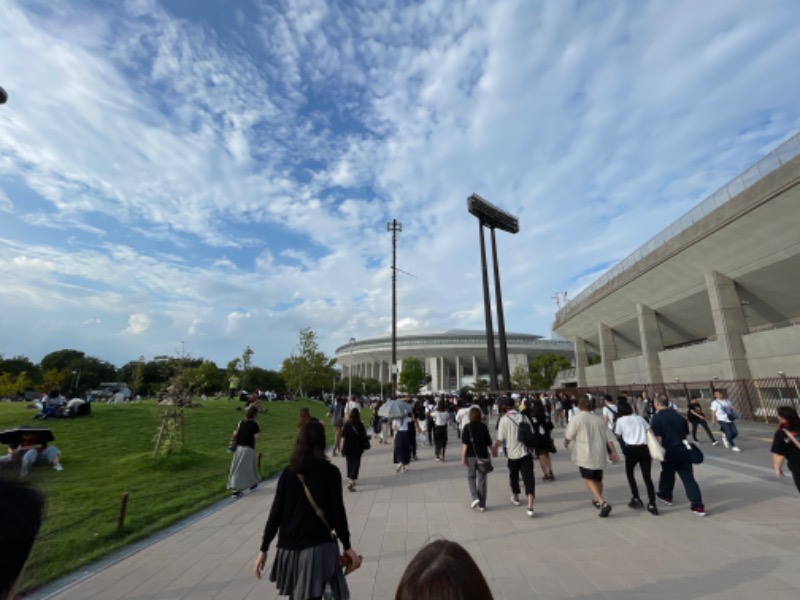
(395, 227)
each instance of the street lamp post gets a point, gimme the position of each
(77, 373)
(350, 372)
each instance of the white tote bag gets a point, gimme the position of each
(656, 449)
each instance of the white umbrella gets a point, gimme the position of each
(394, 408)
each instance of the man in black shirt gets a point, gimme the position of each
(672, 429)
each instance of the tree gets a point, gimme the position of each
(309, 370)
(412, 376)
(20, 364)
(521, 378)
(266, 379)
(137, 376)
(544, 368)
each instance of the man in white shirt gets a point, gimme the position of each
(520, 461)
(462, 418)
(721, 409)
(609, 412)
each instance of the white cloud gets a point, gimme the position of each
(234, 188)
(138, 323)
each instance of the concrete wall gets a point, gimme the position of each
(595, 375)
(773, 350)
(693, 363)
(629, 370)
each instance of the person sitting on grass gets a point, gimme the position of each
(21, 509)
(33, 450)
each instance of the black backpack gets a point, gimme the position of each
(525, 433)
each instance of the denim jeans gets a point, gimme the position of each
(476, 481)
(730, 431)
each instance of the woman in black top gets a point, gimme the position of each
(353, 434)
(477, 443)
(783, 446)
(541, 421)
(244, 470)
(306, 560)
(695, 416)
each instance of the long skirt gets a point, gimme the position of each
(244, 473)
(402, 447)
(302, 574)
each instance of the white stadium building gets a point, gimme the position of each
(453, 358)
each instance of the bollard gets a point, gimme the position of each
(123, 507)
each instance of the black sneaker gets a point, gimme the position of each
(605, 510)
(596, 504)
(636, 503)
(652, 509)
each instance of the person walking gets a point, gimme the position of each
(476, 444)
(632, 432)
(244, 470)
(308, 506)
(671, 429)
(594, 445)
(520, 461)
(338, 423)
(441, 417)
(695, 415)
(544, 425)
(722, 412)
(354, 435)
(402, 443)
(786, 444)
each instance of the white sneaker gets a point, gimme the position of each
(735, 449)
(58, 467)
(475, 504)
(531, 512)
(514, 501)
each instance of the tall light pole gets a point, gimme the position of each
(77, 373)
(395, 227)
(350, 372)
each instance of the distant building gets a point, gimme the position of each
(713, 296)
(452, 358)
(116, 390)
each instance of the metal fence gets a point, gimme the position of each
(753, 399)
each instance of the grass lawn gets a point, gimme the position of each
(110, 453)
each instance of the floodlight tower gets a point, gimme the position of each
(492, 217)
(395, 227)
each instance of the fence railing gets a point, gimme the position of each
(753, 399)
(769, 163)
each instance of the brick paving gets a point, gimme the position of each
(746, 547)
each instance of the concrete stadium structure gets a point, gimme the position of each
(453, 358)
(714, 296)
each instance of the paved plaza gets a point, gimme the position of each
(745, 548)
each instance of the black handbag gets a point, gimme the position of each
(693, 454)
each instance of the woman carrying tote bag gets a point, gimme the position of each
(476, 444)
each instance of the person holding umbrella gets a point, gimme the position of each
(399, 413)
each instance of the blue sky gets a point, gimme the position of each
(221, 173)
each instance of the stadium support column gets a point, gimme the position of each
(581, 360)
(608, 353)
(650, 339)
(474, 370)
(729, 324)
(458, 373)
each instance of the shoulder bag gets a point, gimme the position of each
(344, 560)
(484, 465)
(693, 454)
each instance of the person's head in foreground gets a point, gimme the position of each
(21, 509)
(443, 570)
